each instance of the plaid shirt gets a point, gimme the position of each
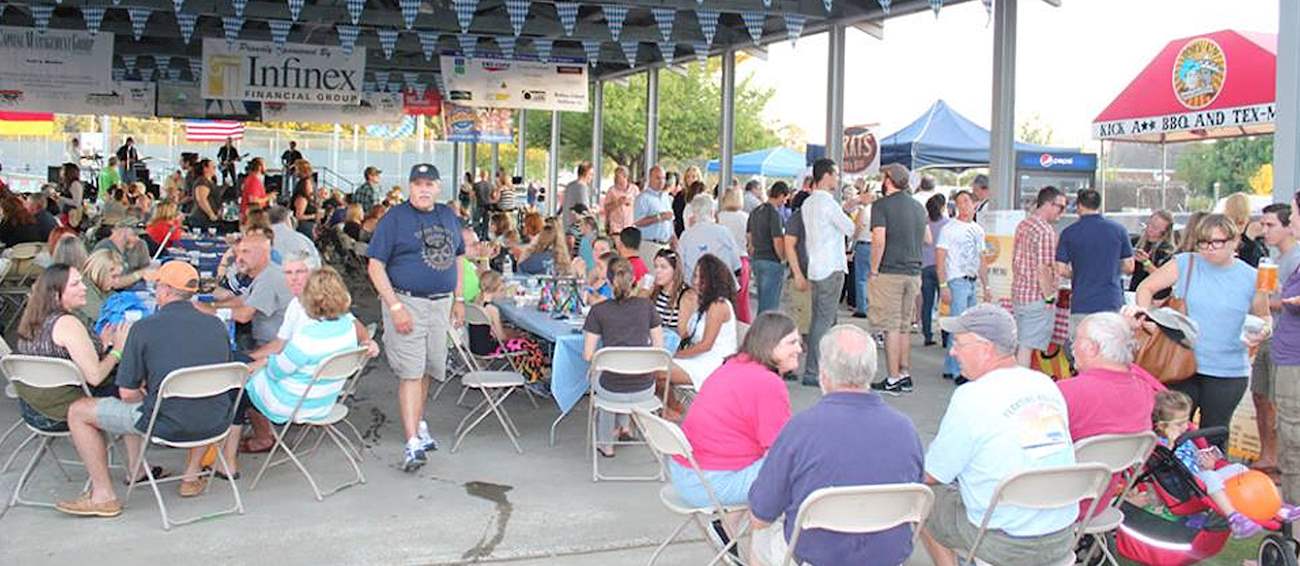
(364, 195)
(1035, 245)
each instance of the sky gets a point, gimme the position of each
(1071, 62)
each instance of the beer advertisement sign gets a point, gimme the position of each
(294, 73)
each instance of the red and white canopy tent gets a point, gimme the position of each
(1215, 85)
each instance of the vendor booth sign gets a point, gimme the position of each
(861, 151)
(55, 60)
(134, 99)
(375, 108)
(477, 125)
(504, 83)
(261, 71)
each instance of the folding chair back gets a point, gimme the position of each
(630, 360)
(202, 381)
(340, 365)
(861, 509)
(1047, 488)
(1119, 452)
(42, 372)
(474, 314)
(667, 440)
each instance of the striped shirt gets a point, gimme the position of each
(276, 388)
(1033, 247)
(667, 308)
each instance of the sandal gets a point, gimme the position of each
(158, 473)
(220, 474)
(604, 454)
(246, 446)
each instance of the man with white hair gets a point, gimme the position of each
(704, 235)
(1111, 394)
(814, 451)
(1008, 419)
(289, 242)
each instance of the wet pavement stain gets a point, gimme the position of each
(496, 493)
(377, 420)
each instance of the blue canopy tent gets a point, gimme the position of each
(771, 162)
(943, 138)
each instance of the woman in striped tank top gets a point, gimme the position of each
(670, 294)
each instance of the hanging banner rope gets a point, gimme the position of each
(428, 43)
(139, 19)
(186, 22)
(347, 37)
(464, 12)
(388, 41)
(615, 15)
(568, 14)
(754, 23)
(94, 16)
(518, 10)
(794, 26)
(664, 18)
(708, 24)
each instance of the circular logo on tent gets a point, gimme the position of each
(860, 149)
(1199, 72)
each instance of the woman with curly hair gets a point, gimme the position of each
(711, 329)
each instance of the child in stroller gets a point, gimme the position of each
(1171, 419)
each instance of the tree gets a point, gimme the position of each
(1035, 130)
(1232, 162)
(689, 107)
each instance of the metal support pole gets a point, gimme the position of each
(1164, 172)
(728, 134)
(455, 168)
(473, 161)
(553, 169)
(835, 93)
(521, 167)
(334, 148)
(651, 119)
(496, 157)
(1286, 140)
(1101, 170)
(597, 135)
(1002, 155)
(419, 136)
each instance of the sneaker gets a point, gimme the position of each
(905, 383)
(960, 381)
(427, 442)
(84, 507)
(888, 387)
(414, 459)
(949, 376)
(1243, 526)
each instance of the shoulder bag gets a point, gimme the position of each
(1162, 351)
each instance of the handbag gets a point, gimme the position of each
(1164, 352)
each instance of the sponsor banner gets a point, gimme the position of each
(375, 108)
(184, 100)
(429, 105)
(55, 60)
(125, 98)
(504, 83)
(861, 151)
(1056, 161)
(477, 125)
(1254, 115)
(293, 73)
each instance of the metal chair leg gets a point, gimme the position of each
(14, 454)
(9, 432)
(16, 498)
(664, 545)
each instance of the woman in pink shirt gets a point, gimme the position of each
(738, 414)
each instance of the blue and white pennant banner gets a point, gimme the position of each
(381, 81)
(936, 5)
(394, 81)
(592, 47)
(139, 19)
(410, 9)
(794, 26)
(280, 32)
(754, 23)
(347, 37)
(568, 13)
(41, 17)
(828, 4)
(94, 16)
(173, 74)
(468, 44)
(387, 41)
(708, 24)
(428, 43)
(885, 6)
(464, 13)
(669, 51)
(543, 48)
(506, 45)
(186, 22)
(664, 19)
(518, 11)
(232, 25)
(128, 62)
(239, 6)
(119, 74)
(295, 9)
(630, 49)
(354, 10)
(615, 15)
(409, 78)
(196, 69)
(177, 5)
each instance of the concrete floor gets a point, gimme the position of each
(485, 504)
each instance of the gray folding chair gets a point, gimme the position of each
(504, 361)
(192, 383)
(628, 361)
(668, 440)
(41, 373)
(1047, 488)
(496, 386)
(347, 396)
(862, 509)
(10, 393)
(1123, 454)
(341, 366)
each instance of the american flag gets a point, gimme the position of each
(213, 130)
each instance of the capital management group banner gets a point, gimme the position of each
(503, 83)
(296, 73)
(55, 60)
(123, 98)
(375, 108)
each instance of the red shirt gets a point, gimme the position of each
(254, 191)
(158, 230)
(736, 416)
(1033, 247)
(638, 268)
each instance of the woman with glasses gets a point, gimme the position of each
(1219, 295)
(1153, 248)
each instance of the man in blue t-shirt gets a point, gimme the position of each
(1093, 252)
(415, 265)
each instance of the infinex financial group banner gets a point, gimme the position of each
(55, 60)
(259, 71)
(123, 98)
(503, 83)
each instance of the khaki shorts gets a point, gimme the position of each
(1035, 323)
(798, 305)
(423, 351)
(892, 301)
(951, 528)
(1262, 373)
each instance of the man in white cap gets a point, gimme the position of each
(415, 266)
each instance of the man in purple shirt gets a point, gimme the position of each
(815, 450)
(1285, 349)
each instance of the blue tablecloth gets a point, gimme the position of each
(210, 250)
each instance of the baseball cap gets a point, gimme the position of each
(178, 275)
(988, 321)
(424, 171)
(898, 174)
(371, 170)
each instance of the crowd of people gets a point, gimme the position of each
(672, 258)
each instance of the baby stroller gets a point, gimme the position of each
(1193, 529)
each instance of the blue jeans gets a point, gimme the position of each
(861, 270)
(769, 276)
(730, 486)
(963, 297)
(929, 294)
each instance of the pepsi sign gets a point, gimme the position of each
(1056, 161)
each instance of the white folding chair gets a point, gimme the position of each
(668, 440)
(628, 361)
(496, 386)
(1047, 488)
(1122, 454)
(347, 396)
(340, 366)
(42, 373)
(196, 382)
(504, 361)
(862, 509)
(10, 393)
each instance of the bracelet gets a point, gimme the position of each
(115, 354)
(943, 285)
(396, 307)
